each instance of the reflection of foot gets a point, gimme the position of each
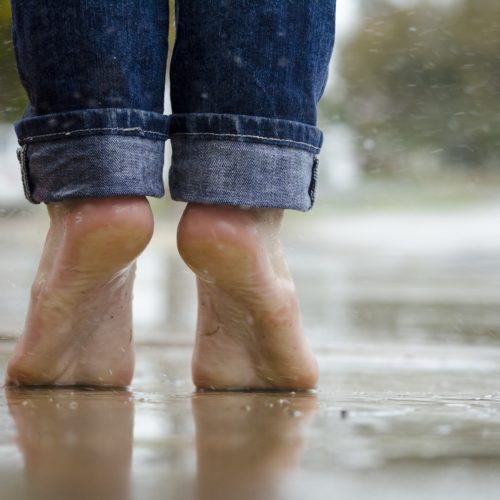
(248, 443)
(79, 325)
(249, 333)
(75, 444)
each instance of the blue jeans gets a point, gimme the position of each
(245, 80)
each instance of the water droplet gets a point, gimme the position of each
(282, 62)
(444, 429)
(71, 438)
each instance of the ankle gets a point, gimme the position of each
(216, 225)
(122, 225)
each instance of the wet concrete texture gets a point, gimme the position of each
(385, 423)
(408, 406)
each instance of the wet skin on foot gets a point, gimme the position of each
(249, 333)
(79, 325)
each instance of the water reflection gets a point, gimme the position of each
(382, 420)
(75, 444)
(248, 445)
(79, 443)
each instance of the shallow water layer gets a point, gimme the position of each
(403, 424)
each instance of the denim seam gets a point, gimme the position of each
(314, 181)
(247, 136)
(66, 134)
(22, 156)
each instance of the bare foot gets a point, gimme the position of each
(249, 333)
(79, 325)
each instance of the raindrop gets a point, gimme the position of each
(283, 61)
(368, 144)
(71, 438)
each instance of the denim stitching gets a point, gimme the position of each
(22, 156)
(247, 136)
(314, 181)
(137, 129)
(65, 134)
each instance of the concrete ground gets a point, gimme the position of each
(403, 313)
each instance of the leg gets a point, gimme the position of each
(245, 85)
(92, 142)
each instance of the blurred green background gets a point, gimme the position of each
(12, 97)
(423, 79)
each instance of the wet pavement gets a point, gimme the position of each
(408, 404)
(386, 423)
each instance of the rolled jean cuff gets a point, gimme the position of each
(243, 160)
(92, 153)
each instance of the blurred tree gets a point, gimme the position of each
(12, 95)
(424, 79)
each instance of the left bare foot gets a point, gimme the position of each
(79, 325)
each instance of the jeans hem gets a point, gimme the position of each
(245, 174)
(100, 121)
(91, 153)
(92, 166)
(244, 128)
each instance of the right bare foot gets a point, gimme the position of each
(249, 333)
(79, 325)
